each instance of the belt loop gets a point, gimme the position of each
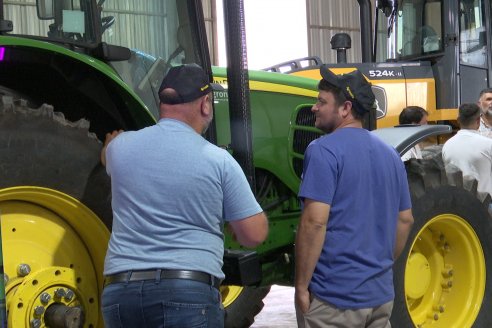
(158, 276)
(128, 276)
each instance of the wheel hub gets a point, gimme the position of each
(46, 287)
(417, 276)
(53, 249)
(445, 273)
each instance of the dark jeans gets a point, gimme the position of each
(165, 303)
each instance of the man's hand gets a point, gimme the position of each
(109, 137)
(302, 299)
(310, 238)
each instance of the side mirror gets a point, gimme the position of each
(45, 9)
(482, 38)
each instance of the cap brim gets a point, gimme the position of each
(217, 87)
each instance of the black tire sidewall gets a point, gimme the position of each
(241, 313)
(38, 150)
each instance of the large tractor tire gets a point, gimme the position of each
(444, 276)
(55, 212)
(242, 304)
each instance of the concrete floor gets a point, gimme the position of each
(279, 311)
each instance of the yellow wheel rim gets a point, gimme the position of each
(445, 274)
(52, 244)
(229, 294)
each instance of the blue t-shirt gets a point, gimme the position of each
(365, 183)
(172, 190)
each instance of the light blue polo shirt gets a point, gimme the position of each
(172, 190)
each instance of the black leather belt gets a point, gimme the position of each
(162, 274)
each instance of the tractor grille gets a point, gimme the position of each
(304, 132)
(305, 117)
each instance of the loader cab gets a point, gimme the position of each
(474, 48)
(454, 36)
(420, 34)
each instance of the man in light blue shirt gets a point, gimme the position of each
(172, 192)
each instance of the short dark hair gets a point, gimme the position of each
(412, 115)
(468, 113)
(486, 90)
(339, 96)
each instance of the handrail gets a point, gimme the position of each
(295, 65)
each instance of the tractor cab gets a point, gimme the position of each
(454, 36)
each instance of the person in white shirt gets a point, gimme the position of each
(485, 103)
(413, 115)
(469, 151)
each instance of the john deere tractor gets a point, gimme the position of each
(73, 70)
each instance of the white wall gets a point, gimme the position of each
(276, 32)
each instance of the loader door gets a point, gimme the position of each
(474, 48)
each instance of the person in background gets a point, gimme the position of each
(356, 213)
(413, 115)
(172, 192)
(485, 104)
(469, 151)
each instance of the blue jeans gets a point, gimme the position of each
(165, 303)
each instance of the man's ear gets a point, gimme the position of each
(206, 105)
(347, 108)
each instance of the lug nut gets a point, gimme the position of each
(447, 284)
(23, 270)
(438, 308)
(69, 295)
(433, 316)
(38, 310)
(60, 292)
(45, 298)
(35, 323)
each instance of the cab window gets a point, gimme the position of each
(472, 33)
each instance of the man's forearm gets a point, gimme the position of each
(403, 228)
(309, 243)
(401, 239)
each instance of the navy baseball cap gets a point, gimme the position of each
(354, 85)
(189, 81)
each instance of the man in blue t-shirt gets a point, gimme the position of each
(356, 213)
(172, 192)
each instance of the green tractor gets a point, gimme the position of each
(73, 70)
